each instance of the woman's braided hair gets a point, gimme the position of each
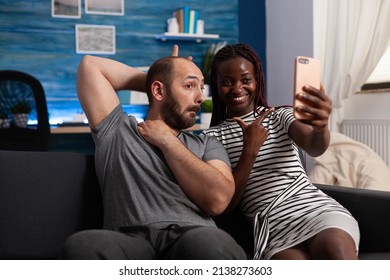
(226, 53)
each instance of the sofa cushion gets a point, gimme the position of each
(349, 163)
(371, 208)
(44, 198)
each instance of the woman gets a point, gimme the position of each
(292, 219)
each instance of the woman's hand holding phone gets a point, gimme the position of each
(311, 105)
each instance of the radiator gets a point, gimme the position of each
(373, 133)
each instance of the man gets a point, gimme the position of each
(160, 185)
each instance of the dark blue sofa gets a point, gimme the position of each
(47, 196)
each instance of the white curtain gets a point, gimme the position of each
(350, 37)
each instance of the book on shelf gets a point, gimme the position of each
(187, 19)
(179, 17)
(193, 20)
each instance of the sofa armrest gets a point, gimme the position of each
(44, 198)
(372, 211)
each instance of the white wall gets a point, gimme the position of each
(289, 34)
(368, 106)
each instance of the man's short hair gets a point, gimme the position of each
(161, 70)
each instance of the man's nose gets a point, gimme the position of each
(200, 96)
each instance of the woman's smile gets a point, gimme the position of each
(237, 85)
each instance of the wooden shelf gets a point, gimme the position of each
(186, 37)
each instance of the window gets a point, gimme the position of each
(380, 78)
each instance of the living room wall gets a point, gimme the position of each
(44, 46)
(289, 34)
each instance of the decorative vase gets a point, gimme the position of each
(206, 91)
(205, 119)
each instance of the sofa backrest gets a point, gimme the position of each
(44, 198)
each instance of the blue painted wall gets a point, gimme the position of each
(33, 41)
(252, 27)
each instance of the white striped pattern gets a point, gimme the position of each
(286, 205)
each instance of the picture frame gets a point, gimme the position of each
(104, 7)
(95, 39)
(66, 8)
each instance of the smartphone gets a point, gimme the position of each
(307, 72)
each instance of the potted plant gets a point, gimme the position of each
(206, 112)
(206, 68)
(4, 122)
(20, 113)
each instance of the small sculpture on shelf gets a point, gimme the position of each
(206, 111)
(173, 26)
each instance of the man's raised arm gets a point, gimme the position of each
(98, 79)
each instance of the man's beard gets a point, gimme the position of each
(174, 117)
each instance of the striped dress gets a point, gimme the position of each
(284, 207)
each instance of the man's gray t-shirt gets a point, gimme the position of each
(137, 185)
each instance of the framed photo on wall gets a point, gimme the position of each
(104, 7)
(95, 39)
(66, 8)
